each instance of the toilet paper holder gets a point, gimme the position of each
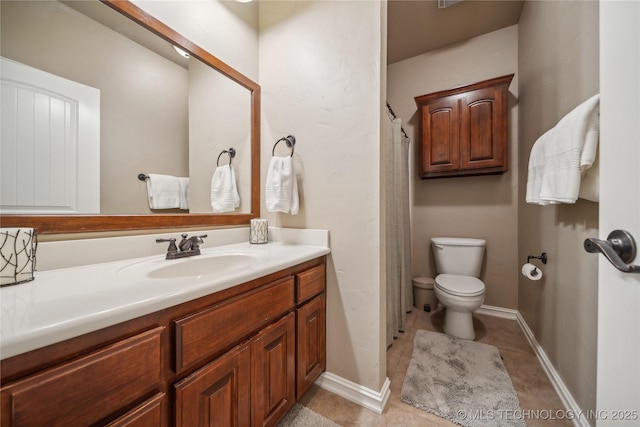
(542, 257)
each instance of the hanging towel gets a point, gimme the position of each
(184, 192)
(224, 190)
(561, 156)
(281, 188)
(163, 191)
(536, 170)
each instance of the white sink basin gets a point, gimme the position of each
(208, 263)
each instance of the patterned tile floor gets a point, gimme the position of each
(534, 390)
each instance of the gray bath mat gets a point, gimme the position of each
(462, 381)
(301, 416)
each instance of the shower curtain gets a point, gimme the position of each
(398, 233)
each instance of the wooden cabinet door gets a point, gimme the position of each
(311, 343)
(219, 394)
(90, 390)
(439, 130)
(484, 130)
(273, 356)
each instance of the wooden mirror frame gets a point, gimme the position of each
(51, 224)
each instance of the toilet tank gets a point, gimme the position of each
(456, 255)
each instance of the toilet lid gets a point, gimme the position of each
(459, 285)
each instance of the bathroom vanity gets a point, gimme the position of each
(240, 354)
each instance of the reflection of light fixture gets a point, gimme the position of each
(244, 1)
(181, 52)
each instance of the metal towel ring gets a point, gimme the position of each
(231, 152)
(290, 140)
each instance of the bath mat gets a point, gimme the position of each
(301, 416)
(460, 380)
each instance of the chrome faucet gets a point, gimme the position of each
(188, 246)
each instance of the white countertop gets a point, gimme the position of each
(68, 302)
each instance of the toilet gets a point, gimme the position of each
(457, 286)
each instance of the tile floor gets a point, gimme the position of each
(529, 380)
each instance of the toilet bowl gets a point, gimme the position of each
(457, 286)
(461, 295)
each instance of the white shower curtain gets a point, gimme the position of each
(398, 233)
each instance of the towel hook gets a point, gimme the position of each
(142, 177)
(231, 152)
(290, 140)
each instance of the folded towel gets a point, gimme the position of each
(224, 190)
(560, 156)
(184, 192)
(163, 191)
(281, 188)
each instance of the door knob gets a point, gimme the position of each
(619, 249)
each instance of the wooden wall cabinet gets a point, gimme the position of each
(239, 357)
(464, 131)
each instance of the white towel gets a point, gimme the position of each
(560, 156)
(183, 183)
(224, 190)
(281, 188)
(536, 170)
(163, 191)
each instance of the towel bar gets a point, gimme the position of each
(143, 177)
(231, 152)
(290, 140)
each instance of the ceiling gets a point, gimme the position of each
(415, 27)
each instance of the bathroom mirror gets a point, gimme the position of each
(200, 127)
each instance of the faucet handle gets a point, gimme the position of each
(197, 240)
(172, 244)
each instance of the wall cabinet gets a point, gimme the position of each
(464, 131)
(239, 357)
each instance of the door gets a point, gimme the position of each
(217, 395)
(618, 378)
(273, 363)
(439, 127)
(311, 343)
(50, 143)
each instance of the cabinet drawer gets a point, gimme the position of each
(151, 413)
(89, 389)
(310, 283)
(211, 331)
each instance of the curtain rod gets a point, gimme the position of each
(395, 117)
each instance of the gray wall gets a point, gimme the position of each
(475, 206)
(558, 66)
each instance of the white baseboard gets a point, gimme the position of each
(363, 396)
(563, 392)
(492, 310)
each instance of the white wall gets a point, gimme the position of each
(320, 72)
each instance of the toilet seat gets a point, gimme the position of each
(463, 286)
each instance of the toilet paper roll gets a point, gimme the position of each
(531, 272)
